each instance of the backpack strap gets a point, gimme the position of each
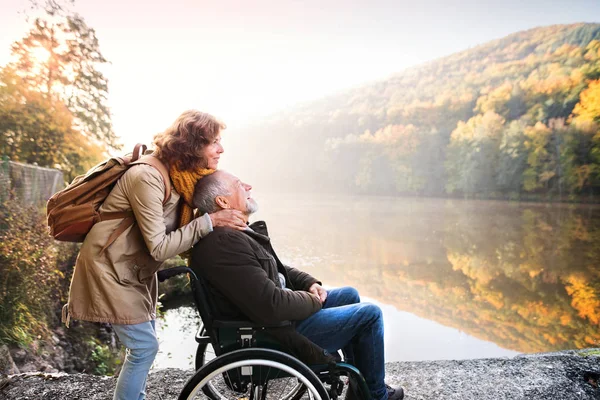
(128, 217)
(137, 153)
(122, 227)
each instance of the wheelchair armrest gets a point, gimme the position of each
(219, 323)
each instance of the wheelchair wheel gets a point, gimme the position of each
(254, 374)
(205, 353)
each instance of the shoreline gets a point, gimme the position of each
(564, 375)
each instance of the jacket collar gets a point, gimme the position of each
(258, 231)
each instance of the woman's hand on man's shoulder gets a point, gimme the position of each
(229, 218)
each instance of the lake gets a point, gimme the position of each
(456, 279)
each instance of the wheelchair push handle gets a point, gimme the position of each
(165, 274)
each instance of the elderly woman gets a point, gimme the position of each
(118, 285)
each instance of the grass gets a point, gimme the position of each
(589, 353)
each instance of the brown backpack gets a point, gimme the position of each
(74, 210)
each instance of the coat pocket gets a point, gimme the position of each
(147, 267)
(268, 263)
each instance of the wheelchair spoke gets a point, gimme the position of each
(229, 379)
(264, 391)
(253, 390)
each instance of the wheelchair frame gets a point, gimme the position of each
(235, 341)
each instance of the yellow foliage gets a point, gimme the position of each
(496, 100)
(588, 108)
(486, 126)
(585, 299)
(472, 267)
(537, 135)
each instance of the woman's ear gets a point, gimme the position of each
(222, 202)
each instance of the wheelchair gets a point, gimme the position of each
(238, 360)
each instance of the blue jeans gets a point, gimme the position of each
(142, 346)
(356, 328)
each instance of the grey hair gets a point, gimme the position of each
(206, 191)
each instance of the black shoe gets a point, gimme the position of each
(396, 393)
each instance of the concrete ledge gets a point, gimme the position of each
(541, 376)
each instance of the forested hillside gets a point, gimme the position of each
(514, 118)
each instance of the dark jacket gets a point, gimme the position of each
(241, 269)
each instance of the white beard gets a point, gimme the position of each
(251, 206)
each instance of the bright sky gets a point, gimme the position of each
(243, 59)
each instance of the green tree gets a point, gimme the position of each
(541, 166)
(473, 153)
(512, 159)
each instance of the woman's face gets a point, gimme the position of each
(212, 152)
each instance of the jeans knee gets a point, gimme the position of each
(372, 312)
(153, 347)
(350, 294)
(145, 351)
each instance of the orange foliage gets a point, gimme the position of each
(585, 298)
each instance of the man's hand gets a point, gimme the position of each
(318, 291)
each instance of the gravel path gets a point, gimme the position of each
(562, 376)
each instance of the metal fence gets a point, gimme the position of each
(29, 183)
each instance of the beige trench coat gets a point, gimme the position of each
(119, 286)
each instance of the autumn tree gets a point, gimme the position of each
(473, 152)
(60, 58)
(39, 129)
(512, 158)
(588, 108)
(53, 96)
(586, 120)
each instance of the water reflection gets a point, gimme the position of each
(456, 279)
(407, 338)
(525, 277)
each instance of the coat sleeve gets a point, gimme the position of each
(238, 274)
(145, 191)
(300, 279)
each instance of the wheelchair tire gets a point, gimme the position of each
(205, 353)
(302, 377)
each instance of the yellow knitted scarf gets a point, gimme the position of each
(184, 183)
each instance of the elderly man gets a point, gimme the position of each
(246, 279)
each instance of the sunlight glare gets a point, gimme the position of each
(40, 55)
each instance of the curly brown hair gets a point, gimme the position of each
(183, 142)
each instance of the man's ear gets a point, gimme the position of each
(222, 202)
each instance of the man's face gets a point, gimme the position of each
(240, 196)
